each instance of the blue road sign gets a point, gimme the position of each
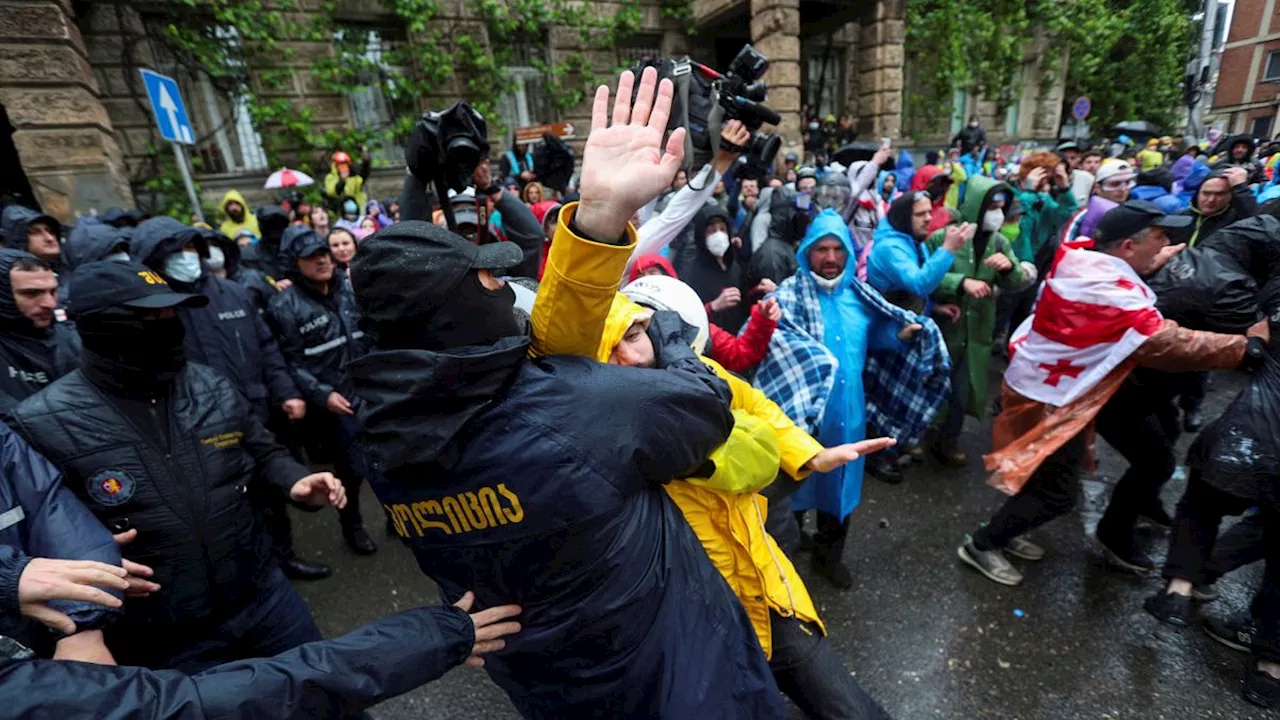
(166, 105)
(1081, 107)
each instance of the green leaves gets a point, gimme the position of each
(1126, 55)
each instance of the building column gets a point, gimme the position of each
(775, 32)
(879, 68)
(64, 136)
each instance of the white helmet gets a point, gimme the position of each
(667, 293)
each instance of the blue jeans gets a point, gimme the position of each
(809, 671)
(274, 620)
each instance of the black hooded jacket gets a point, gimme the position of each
(319, 333)
(88, 242)
(33, 357)
(273, 222)
(228, 334)
(1242, 205)
(261, 285)
(704, 274)
(1256, 173)
(15, 221)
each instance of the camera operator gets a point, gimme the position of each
(518, 222)
(662, 229)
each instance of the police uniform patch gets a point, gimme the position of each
(111, 487)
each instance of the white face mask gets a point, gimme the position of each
(992, 220)
(121, 256)
(183, 266)
(217, 259)
(718, 243)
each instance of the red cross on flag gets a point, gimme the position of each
(1092, 313)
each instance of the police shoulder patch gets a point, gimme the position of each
(111, 487)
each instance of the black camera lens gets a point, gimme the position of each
(764, 147)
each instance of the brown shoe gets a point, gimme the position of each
(948, 454)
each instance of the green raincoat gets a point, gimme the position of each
(973, 333)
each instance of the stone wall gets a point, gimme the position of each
(880, 69)
(65, 136)
(59, 70)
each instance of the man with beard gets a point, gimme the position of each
(833, 328)
(34, 348)
(152, 443)
(1094, 323)
(238, 216)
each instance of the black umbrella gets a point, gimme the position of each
(1136, 127)
(860, 150)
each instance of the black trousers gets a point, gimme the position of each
(830, 536)
(1240, 545)
(1194, 387)
(1266, 606)
(810, 672)
(349, 464)
(957, 404)
(1136, 429)
(1199, 513)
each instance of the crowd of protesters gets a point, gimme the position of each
(630, 395)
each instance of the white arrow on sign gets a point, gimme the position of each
(169, 106)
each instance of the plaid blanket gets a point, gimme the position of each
(904, 388)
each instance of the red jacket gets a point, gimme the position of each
(941, 216)
(737, 353)
(741, 353)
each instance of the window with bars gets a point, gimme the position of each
(824, 79)
(374, 103)
(527, 101)
(226, 140)
(637, 48)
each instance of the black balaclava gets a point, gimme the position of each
(472, 315)
(899, 214)
(134, 353)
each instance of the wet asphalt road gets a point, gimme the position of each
(925, 635)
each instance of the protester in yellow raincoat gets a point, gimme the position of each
(578, 311)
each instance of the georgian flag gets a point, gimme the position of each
(1092, 313)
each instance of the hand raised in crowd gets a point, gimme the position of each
(908, 332)
(841, 455)
(956, 236)
(766, 286)
(733, 132)
(976, 288)
(338, 405)
(489, 627)
(45, 579)
(1165, 255)
(318, 490)
(882, 156)
(1034, 178)
(294, 408)
(728, 298)
(1060, 177)
(282, 285)
(623, 165)
(139, 585)
(999, 262)
(482, 178)
(771, 309)
(947, 311)
(1236, 176)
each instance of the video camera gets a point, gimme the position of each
(445, 148)
(706, 98)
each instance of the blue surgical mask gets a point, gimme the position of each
(183, 266)
(802, 201)
(121, 256)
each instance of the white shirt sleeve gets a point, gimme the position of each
(657, 233)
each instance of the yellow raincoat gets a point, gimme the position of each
(230, 227)
(580, 312)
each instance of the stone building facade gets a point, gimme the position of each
(85, 138)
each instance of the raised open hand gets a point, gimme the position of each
(623, 165)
